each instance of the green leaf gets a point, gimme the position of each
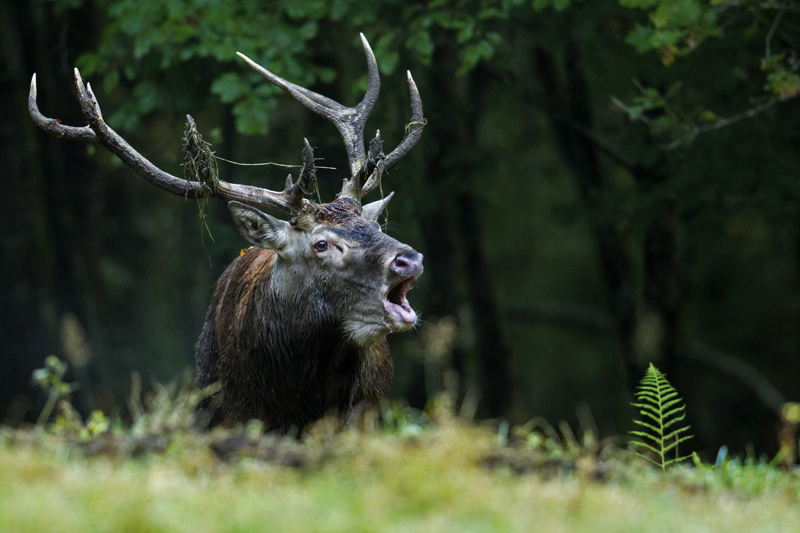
(229, 87)
(641, 444)
(675, 443)
(385, 52)
(421, 43)
(654, 429)
(659, 402)
(667, 405)
(673, 413)
(645, 436)
(651, 408)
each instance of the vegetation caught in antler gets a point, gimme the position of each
(661, 409)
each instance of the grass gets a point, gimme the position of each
(447, 476)
(412, 472)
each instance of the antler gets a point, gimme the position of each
(366, 167)
(288, 201)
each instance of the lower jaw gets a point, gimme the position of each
(398, 318)
(399, 326)
(368, 333)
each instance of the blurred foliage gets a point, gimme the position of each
(676, 27)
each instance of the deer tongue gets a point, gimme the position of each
(396, 303)
(403, 312)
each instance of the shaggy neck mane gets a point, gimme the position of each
(303, 358)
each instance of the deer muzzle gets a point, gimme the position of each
(407, 266)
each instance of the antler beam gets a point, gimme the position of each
(98, 131)
(366, 166)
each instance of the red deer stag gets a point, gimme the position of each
(297, 325)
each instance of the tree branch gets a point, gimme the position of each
(743, 372)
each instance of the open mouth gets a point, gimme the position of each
(396, 305)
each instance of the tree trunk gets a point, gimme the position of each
(44, 208)
(453, 238)
(646, 324)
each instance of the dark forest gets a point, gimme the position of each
(600, 186)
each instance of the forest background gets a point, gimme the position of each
(600, 185)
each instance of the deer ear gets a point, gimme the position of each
(373, 210)
(260, 229)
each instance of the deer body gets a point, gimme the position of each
(297, 325)
(290, 370)
(295, 333)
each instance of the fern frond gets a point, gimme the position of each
(675, 443)
(644, 435)
(672, 414)
(648, 458)
(652, 410)
(676, 460)
(669, 404)
(651, 427)
(674, 421)
(675, 433)
(660, 408)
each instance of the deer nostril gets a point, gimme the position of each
(408, 263)
(401, 262)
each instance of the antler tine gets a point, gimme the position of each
(54, 126)
(119, 147)
(354, 188)
(308, 177)
(414, 127)
(98, 131)
(350, 121)
(373, 83)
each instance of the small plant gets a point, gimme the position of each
(51, 380)
(68, 421)
(661, 410)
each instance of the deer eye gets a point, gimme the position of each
(320, 246)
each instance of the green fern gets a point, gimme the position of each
(661, 410)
